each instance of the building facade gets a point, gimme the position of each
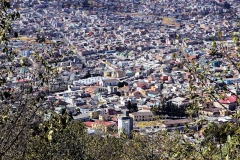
(142, 116)
(125, 124)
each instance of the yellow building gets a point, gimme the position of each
(118, 74)
(142, 116)
(177, 122)
(104, 117)
(103, 126)
(107, 73)
(213, 112)
(95, 114)
(202, 25)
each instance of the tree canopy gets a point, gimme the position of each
(122, 84)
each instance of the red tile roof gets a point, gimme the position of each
(229, 99)
(105, 123)
(23, 80)
(88, 124)
(114, 119)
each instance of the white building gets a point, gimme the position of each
(108, 82)
(179, 101)
(125, 124)
(88, 81)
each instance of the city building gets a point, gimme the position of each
(125, 123)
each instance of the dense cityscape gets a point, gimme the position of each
(124, 44)
(127, 65)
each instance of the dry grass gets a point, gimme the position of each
(134, 14)
(144, 124)
(48, 41)
(169, 21)
(30, 40)
(24, 39)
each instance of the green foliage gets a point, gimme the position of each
(215, 132)
(155, 110)
(167, 108)
(122, 84)
(21, 107)
(132, 107)
(57, 138)
(88, 74)
(227, 5)
(85, 3)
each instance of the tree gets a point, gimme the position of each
(129, 105)
(88, 74)
(40, 38)
(62, 138)
(132, 107)
(122, 84)
(85, 3)
(227, 5)
(22, 106)
(83, 66)
(155, 110)
(219, 133)
(219, 139)
(57, 138)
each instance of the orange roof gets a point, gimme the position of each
(23, 80)
(229, 99)
(114, 119)
(126, 87)
(105, 123)
(115, 135)
(88, 124)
